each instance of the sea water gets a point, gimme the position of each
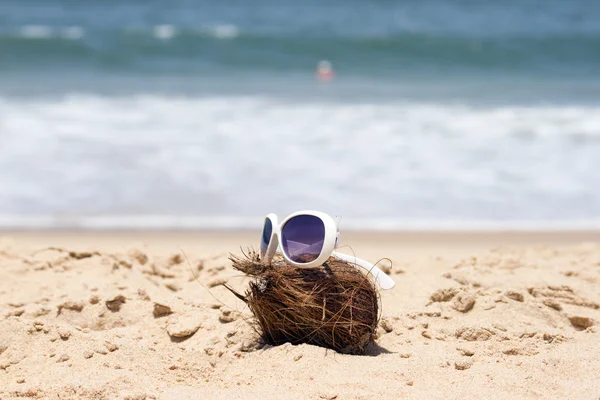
(200, 114)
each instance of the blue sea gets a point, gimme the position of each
(444, 114)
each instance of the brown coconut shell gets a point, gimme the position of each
(334, 306)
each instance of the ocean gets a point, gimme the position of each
(181, 114)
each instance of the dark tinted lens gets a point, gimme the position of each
(302, 238)
(266, 234)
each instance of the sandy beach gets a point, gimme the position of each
(121, 315)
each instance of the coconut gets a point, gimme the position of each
(334, 306)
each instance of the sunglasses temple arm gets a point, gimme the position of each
(384, 281)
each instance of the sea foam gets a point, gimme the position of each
(237, 157)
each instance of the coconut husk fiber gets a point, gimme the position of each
(334, 306)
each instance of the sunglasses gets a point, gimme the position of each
(306, 239)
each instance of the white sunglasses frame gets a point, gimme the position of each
(329, 245)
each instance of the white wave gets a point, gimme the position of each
(73, 32)
(36, 32)
(236, 156)
(225, 31)
(46, 32)
(164, 32)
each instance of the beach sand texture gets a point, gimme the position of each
(121, 316)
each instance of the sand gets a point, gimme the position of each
(122, 316)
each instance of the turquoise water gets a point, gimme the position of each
(204, 113)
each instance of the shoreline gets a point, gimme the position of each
(187, 223)
(527, 235)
